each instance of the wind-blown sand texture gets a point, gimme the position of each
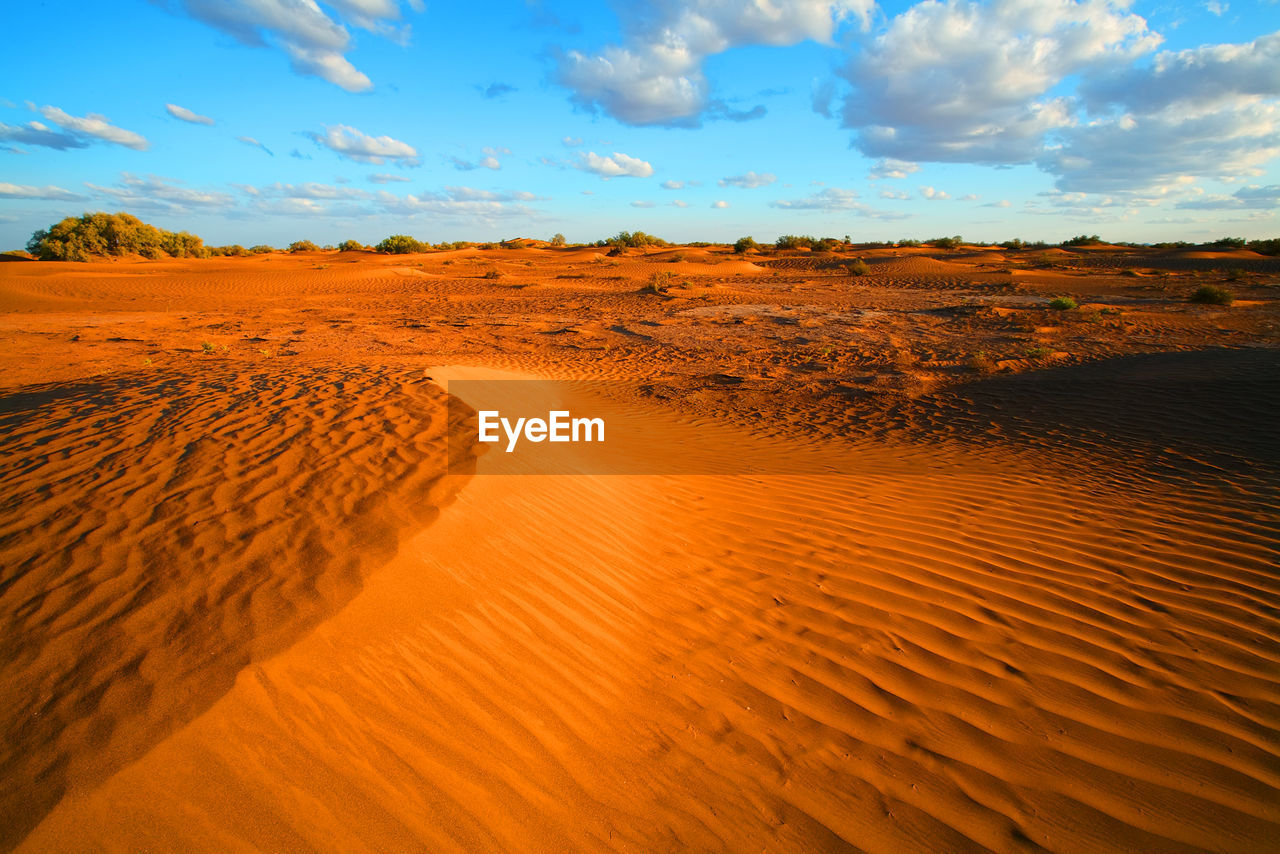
(243, 607)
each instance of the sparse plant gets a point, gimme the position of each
(1212, 295)
(857, 267)
(981, 363)
(909, 244)
(1038, 352)
(557, 239)
(794, 241)
(261, 249)
(303, 246)
(206, 346)
(1083, 240)
(658, 283)
(491, 274)
(350, 246)
(1063, 304)
(1235, 274)
(744, 244)
(947, 242)
(676, 258)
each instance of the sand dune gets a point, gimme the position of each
(244, 607)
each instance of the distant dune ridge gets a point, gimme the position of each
(244, 608)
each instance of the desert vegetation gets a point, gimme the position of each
(401, 244)
(102, 234)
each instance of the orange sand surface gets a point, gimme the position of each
(245, 607)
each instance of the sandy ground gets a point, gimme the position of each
(245, 607)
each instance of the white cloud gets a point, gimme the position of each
(1003, 203)
(1209, 112)
(489, 160)
(38, 133)
(961, 82)
(92, 126)
(643, 204)
(720, 205)
(388, 178)
(656, 77)
(571, 141)
(161, 195)
(749, 181)
(679, 203)
(315, 43)
(891, 167)
(673, 185)
(250, 141)
(617, 166)
(894, 194)
(1245, 198)
(187, 115)
(352, 144)
(834, 199)
(46, 193)
(933, 195)
(970, 197)
(1216, 8)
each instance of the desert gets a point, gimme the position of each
(247, 605)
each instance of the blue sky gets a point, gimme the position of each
(268, 121)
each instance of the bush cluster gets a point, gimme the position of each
(303, 246)
(99, 234)
(1083, 240)
(350, 246)
(743, 244)
(946, 242)
(631, 240)
(401, 244)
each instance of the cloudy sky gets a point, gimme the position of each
(267, 121)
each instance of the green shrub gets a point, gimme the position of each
(97, 234)
(261, 249)
(350, 246)
(235, 250)
(857, 268)
(909, 244)
(1235, 274)
(1228, 243)
(1083, 240)
(795, 241)
(946, 242)
(1265, 247)
(1063, 304)
(401, 244)
(1212, 295)
(743, 244)
(303, 246)
(632, 240)
(557, 239)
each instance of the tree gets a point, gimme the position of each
(557, 239)
(743, 244)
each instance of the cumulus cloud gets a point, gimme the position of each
(571, 141)
(1205, 112)
(187, 115)
(720, 205)
(957, 81)
(355, 145)
(76, 131)
(933, 195)
(749, 181)
(463, 203)
(894, 194)
(833, 199)
(250, 141)
(1003, 203)
(315, 43)
(891, 167)
(673, 185)
(618, 165)
(46, 193)
(488, 160)
(970, 197)
(643, 204)
(679, 203)
(655, 77)
(387, 178)
(40, 134)
(1245, 198)
(161, 195)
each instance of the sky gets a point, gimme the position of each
(269, 121)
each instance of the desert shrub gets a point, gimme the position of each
(699, 244)
(491, 274)
(261, 249)
(557, 239)
(743, 244)
(676, 258)
(80, 238)
(1039, 352)
(827, 244)
(857, 268)
(946, 242)
(400, 244)
(184, 244)
(235, 250)
(1083, 240)
(1172, 244)
(350, 246)
(1063, 304)
(1265, 247)
(632, 240)
(1227, 243)
(981, 363)
(658, 283)
(875, 244)
(794, 241)
(1235, 274)
(909, 244)
(303, 246)
(1212, 295)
